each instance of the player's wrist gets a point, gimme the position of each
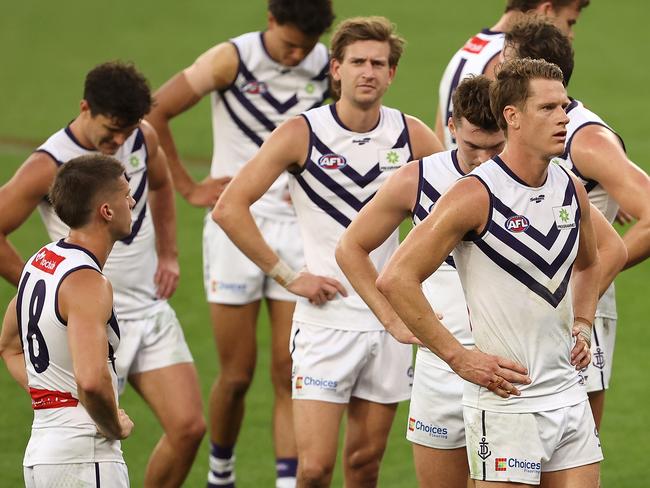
(283, 274)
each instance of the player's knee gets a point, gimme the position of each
(314, 473)
(188, 432)
(281, 375)
(363, 464)
(235, 385)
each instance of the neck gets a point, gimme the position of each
(529, 166)
(464, 167)
(76, 126)
(507, 20)
(358, 118)
(269, 44)
(98, 243)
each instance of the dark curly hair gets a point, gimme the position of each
(311, 17)
(119, 91)
(526, 5)
(471, 101)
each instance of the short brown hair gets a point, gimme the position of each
(527, 5)
(471, 101)
(78, 184)
(365, 29)
(536, 38)
(512, 84)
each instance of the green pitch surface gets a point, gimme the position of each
(49, 46)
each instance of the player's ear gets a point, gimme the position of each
(106, 212)
(452, 127)
(84, 106)
(511, 115)
(270, 20)
(545, 9)
(335, 64)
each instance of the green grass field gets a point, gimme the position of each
(49, 46)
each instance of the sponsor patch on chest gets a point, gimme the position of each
(47, 260)
(475, 45)
(564, 217)
(390, 159)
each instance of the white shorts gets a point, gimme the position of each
(233, 279)
(151, 343)
(436, 411)
(102, 475)
(518, 447)
(333, 365)
(603, 337)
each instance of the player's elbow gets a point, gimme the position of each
(341, 252)
(388, 283)
(90, 382)
(222, 212)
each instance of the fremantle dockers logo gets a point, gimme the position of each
(483, 449)
(599, 358)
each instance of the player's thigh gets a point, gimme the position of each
(234, 328)
(368, 426)
(497, 484)
(316, 424)
(441, 468)
(180, 382)
(281, 315)
(579, 477)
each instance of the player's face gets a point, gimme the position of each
(565, 18)
(122, 203)
(475, 145)
(364, 72)
(542, 120)
(287, 44)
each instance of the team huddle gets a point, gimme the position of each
(505, 282)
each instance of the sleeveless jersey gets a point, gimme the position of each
(579, 117)
(516, 281)
(443, 288)
(62, 431)
(342, 172)
(132, 263)
(471, 59)
(263, 95)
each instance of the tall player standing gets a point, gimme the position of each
(143, 266)
(60, 334)
(521, 226)
(596, 155)
(255, 81)
(480, 54)
(339, 155)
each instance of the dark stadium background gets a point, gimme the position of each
(47, 47)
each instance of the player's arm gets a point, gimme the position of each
(286, 148)
(599, 155)
(85, 300)
(370, 228)
(163, 214)
(11, 348)
(440, 125)
(584, 282)
(611, 250)
(462, 209)
(18, 199)
(213, 70)
(423, 140)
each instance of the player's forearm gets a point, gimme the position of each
(163, 213)
(11, 264)
(612, 260)
(362, 274)
(585, 288)
(406, 297)
(99, 401)
(637, 242)
(16, 366)
(237, 222)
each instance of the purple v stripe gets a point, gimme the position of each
(136, 227)
(323, 73)
(430, 191)
(323, 204)
(243, 127)
(334, 187)
(139, 141)
(140, 190)
(281, 107)
(248, 105)
(553, 298)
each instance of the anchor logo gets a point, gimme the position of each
(483, 449)
(599, 358)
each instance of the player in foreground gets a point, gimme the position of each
(521, 229)
(143, 266)
(596, 155)
(256, 81)
(435, 423)
(480, 54)
(343, 358)
(60, 335)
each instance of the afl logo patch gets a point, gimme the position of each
(332, 161)
(517, 223)
(254, 88)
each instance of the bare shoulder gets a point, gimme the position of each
(593, 140)
(86, 291)
(150, 136)
(224, 62)
(35, 175)
(423, 140)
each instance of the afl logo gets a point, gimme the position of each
(517, 223)
(254, 88)
(332, 161)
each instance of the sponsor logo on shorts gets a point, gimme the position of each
(597, 435)
(432, 430)
(255, 88)
(484, 449)
(599, 358)
(322, 383)
(517, 223)
(475, 45)
(47, 261)
(410, 372)
(332, 161)
(525, 465)
(229, 287)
